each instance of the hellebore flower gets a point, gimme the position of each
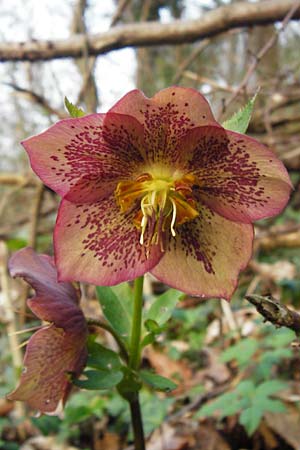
(157, 185)
(57, 350)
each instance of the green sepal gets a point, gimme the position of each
(240, 120)
(99, 379)
(157, 382)
(73, 110)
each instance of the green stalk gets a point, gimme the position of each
(100, 324)
(135, 342)
(134, 363)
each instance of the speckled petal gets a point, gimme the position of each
(51, 355)
(166, 117)
(57, 349)
(97, 243)
(54, 302)
(84, 158)
(206, 256)
(238, 177)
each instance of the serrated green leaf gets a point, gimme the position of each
(161, 307)
(280, 338)
(241, 352)
(115, 311)
(268, 404)
(268, 388)
(157, 382)
(240, 120)
(102, 358)
(250, 418)
(246, 387)
(73, 110)
(217, 404)
(99, 379)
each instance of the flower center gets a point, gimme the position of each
(165, 203)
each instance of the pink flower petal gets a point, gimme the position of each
(206, 256)
(99, 244)
(54, 302)
(55, 350)
(84, 158)
(166, 117)
(238, 177)
(51, 355)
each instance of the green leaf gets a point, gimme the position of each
(125, 293)
(102, 358)
(152, 326)
(148, 339)
(157, 382)
(250, 418)
(242, 352)
(240, 120)
(99, 379)
(73, 110)
(269, 388)
(130, 384)
(115, 311)
(162, 307)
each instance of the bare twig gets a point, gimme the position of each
(119, 12)
(294, 7)
(38, 99)
(212, 23)
(273, 311)
(10, 319)
(205, 80)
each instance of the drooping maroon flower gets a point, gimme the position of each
(58, 350)
(157, 185)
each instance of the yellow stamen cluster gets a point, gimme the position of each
(165, 202)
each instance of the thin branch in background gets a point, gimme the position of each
(258, 57)
(212, 23)
(204, 80)
(275, 312)
(122, 5)
(190, 59)
(38, 99)
(10, 319)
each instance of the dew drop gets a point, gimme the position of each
(47, 401)
(109, 365)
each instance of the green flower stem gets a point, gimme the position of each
(135, 344)
(134, 363)
(100, 324)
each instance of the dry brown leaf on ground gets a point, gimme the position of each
(186, 435)
(178, 371)
(45, 443)
(286, 425)
(108, 441)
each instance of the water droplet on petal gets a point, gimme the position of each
(109, 365)
(47, 401)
